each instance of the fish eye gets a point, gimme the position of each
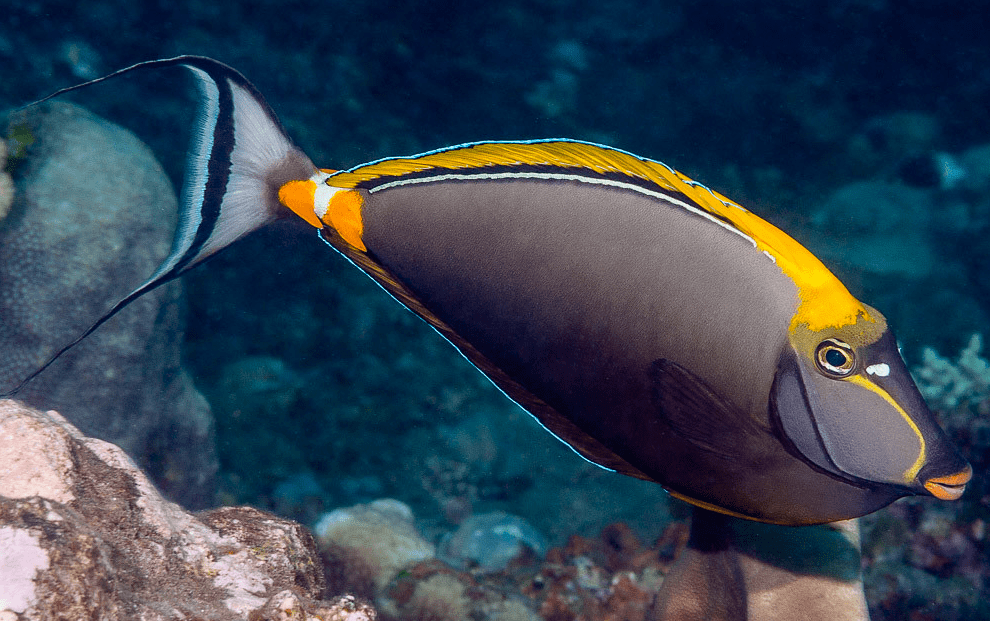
(835, 358)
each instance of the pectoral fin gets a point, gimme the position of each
(699, 414)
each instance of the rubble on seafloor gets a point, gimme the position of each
(612, 577)
(80, 521)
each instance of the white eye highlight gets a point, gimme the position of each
(880, 370)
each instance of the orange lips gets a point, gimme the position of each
(950, 487)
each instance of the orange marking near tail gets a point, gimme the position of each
(344, 215)
(300, 196)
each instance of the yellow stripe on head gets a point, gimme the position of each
(911, 473)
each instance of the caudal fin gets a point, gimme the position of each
(239, 156)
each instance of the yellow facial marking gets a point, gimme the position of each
(911, 473)
(344, 215)
(299, 196)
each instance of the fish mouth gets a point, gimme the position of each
(950, 487)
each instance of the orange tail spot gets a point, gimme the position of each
(300, 197)
(344, 215)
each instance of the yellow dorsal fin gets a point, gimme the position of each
(824, 301)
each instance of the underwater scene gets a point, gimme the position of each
(277, 376)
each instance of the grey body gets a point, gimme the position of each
(583, 323)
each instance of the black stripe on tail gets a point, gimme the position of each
(239, 149)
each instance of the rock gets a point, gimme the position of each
(85, 535)
(432, 590)
(376, 550)
(379, 537)
(93, 216)
(736, 569)
(288, 606)
(490, 541)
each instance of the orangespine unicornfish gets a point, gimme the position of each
(655, 326)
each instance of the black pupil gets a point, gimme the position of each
(835, 357)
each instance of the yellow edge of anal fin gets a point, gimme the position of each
(710, 507)
(344, 215)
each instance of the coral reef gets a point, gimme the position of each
(376, 551)
(838, 114)
(288, 605)
(94, 215)
(946, 385)
(927, 563)
(433, 591)
(612, 577)
(84, 534)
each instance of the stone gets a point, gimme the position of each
(490, 541)
(85, 535)
(382, 534)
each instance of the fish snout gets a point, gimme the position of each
(949, 486)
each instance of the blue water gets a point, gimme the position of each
(854, 125)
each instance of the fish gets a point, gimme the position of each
(659, 329)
